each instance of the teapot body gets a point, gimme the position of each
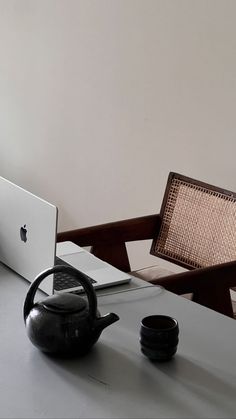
(64, 334)
(64, 324)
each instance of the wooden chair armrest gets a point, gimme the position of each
(140, 228)
(108, 240)
(210, 286)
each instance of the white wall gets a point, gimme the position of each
(100, 99)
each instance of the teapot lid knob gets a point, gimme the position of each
(64, 303)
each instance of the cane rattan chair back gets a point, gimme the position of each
(198, 224)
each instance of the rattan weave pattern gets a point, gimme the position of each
(198, 226)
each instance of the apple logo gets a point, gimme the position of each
(23, 233)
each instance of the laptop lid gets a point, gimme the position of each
(28, 227)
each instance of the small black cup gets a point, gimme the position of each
(159, 337)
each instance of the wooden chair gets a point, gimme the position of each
(196, 229)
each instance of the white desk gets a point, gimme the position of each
(115, 380)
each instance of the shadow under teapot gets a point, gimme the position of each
(64, 324)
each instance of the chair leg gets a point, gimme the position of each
(115, 254)
(217, 299)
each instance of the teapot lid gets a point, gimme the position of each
(64, 303)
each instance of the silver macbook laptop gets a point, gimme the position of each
(28, 228)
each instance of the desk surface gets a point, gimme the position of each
(115, 380)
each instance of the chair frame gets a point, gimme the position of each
(108, 240)
(210, 285)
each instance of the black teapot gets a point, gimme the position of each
(64, 324)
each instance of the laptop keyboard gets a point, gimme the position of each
(63, 280)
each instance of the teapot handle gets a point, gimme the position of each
(81, 277)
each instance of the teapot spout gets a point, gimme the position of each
(104, 321)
